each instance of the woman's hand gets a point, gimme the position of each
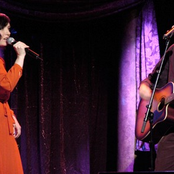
(19, 47)
(20, 51)
(17, 128)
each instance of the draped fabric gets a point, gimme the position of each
(62, 10)
(127, 88)
(70, 104)
(138, 58)
(147, 51)
(147, 43)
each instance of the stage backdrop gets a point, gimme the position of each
(77, 107)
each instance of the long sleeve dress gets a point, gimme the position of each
(10, 160)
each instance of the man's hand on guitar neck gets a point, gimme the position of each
(145, 91)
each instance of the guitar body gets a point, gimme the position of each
(163, 117)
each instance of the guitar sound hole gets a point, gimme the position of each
(161, 104)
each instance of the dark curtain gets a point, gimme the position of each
(67, 104)
(63, 10)
(65, 101)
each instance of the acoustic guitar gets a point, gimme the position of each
(163, 118)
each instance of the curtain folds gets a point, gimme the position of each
(147, 50)
(63, 11)
(71, 105)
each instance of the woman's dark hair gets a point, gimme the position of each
(4, 20)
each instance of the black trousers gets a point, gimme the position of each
(165, 153)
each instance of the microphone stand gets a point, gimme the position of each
(149, 115)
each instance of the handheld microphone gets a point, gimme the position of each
(12, 41)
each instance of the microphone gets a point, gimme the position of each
(12, 41)
(169, 33)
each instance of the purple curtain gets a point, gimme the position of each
(69, 103)
(147, 51)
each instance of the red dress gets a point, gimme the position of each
(10, 160)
